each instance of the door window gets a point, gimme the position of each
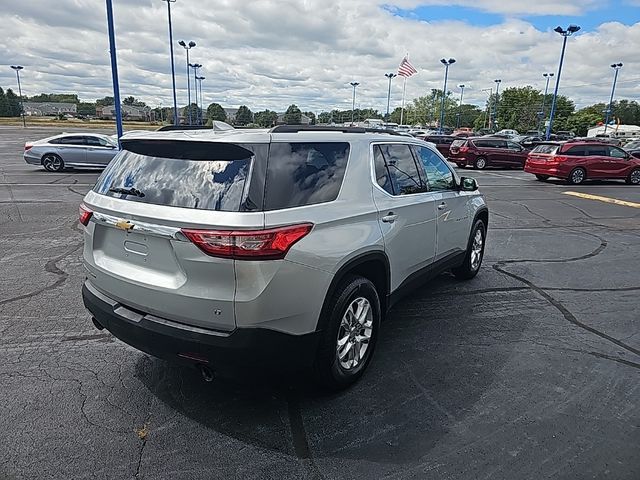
(68, 141)
(96, 142)
(617, 153)
(514, 146)
(439, 176)
(578, 151)
(597, 151)
(401, 169)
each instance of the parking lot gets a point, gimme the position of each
(529, 371)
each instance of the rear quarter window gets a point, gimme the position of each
(304, 173)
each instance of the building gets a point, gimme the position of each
(129, 112)
(43, 109)
(304, 120)
(231, 114)
(616, 131)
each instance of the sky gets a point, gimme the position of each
(271, 53)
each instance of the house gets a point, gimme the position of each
(129, 112)
(43, 109)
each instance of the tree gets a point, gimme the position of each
(266, 118)
(581, 121)
(55, 97)
(312, 116)
(133, 101)
(216, 112)
(244, 116)
(85, 108)
(106, 101)
(293, 115)
(192, 109)
(4, 107)
(13, 104)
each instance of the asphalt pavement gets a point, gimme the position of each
(529, 371)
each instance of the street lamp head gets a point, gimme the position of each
(452, 61)
(17, 67)
(573, 28)
(390, 75)
(616, 65)
(461, 85)
(498, 80)
(182, 44)
(560, 30)
(192, 44)
(354, 84)
(443, 61)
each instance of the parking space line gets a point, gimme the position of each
(505, 176)
(603, 199)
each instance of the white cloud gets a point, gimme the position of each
(268, 54)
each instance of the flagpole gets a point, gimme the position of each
(404, 88)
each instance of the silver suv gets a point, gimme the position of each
(280, 247)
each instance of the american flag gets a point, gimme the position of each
(406, 69)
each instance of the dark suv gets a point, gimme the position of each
(442, 142)
(485, 152)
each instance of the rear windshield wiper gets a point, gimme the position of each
(127, 191)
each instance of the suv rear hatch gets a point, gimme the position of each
(457, 147)
(542, 154)
(136, 250)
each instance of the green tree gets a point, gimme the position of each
(312, 116)
(13, 104)
(293, 115)
(244, 116)
(131, 100)
(266, 118)
(85, 108)
(105, 101)
(324, 117)
(54, 97)
(192, 109)
(216, 112)
(4, 107)
(581, 121)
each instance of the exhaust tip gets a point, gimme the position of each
(207, 373)
(97, 324)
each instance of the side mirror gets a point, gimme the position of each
(468, 184)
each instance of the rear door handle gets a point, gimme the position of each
(389, 217)
(442, 206)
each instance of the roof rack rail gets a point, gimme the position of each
(169, 128)
(329, 128)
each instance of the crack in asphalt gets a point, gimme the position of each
(299, 435)
(51, 267)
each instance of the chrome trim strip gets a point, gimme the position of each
(164, 231)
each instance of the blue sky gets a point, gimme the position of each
(589, 20)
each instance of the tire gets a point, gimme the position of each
(475, 253)
(480, 163)
(577, 176)
(634, 177)
(542, 178)
(52, 163)
(336, 368)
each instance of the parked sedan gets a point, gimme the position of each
(576, 162)
(633, 148)
(76, 150)
(483, 152)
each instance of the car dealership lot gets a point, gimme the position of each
(528, 371)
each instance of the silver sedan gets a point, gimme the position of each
(77, 150)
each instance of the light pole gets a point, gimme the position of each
(17, 68)
(390, 76)
(114, 69)
(544, 99)
(353, 101)
(495, 108)
(565, 33)
(487, 121)
(201, 119)
(616, 67)
(173, 67)
(446, 64)
(195, 67)
(188, 47)
(461, 87)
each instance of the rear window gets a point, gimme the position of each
(304, 173)
(546, 149)
(203, 176)
(458, 143)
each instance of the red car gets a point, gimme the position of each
(577, 161)
(482, 152)
(442, 142)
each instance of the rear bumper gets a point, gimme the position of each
(32, 160)
(543, 170)
(460, 161)
(244, 348)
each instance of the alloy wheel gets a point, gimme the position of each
(476, 250)
(354, 333)
(634, 178)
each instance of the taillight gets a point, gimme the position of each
(84, 214)
(464, 149)
(271, 244)
(27, 146)
(558, 159)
